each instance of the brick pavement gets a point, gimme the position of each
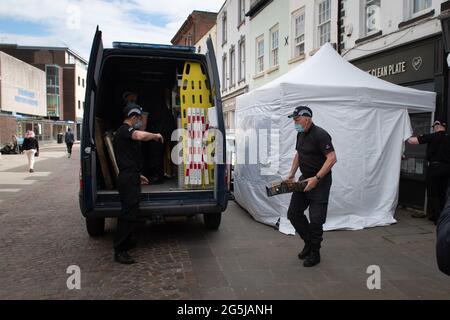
(42, 232)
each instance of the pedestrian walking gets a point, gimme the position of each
(315, 157)
(69, 139)
(31, 149)
(127, 150)
(438, 169)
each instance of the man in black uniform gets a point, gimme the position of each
(127, 149)
(438, 174)
(315, 157)
(443, 239)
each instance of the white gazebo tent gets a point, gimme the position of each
(367, 119)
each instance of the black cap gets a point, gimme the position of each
(302, 111)
(439, 122)
(132, 109)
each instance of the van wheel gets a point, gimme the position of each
(95, 226)
(212, 220)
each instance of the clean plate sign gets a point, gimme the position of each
(401, 66)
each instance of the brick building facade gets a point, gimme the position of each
(66, 74)
(8, 125)
(194, 28)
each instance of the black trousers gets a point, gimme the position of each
(437, 184)
(317, 200)
(69, 147)
(129, 186)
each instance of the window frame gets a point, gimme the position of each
(295, 15)
(242, 59)
(322, 24)
(241, 12)
(224, 72)
(224, 28)
(274, 51)
(366, 32)
(232, 73)
(50, 97)
(413, 14)
(259, 58)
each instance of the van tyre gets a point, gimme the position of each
(95, 226)
(212, 220)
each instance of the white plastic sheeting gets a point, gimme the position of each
(367, 119)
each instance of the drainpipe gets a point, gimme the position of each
(339, 26)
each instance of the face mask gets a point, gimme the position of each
(299, 128)
(138, 125)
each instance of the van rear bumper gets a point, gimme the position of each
(111, 210)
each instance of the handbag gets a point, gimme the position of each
(36, 154)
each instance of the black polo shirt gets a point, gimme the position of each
(438, 149)
(312, 148)
(127, 151)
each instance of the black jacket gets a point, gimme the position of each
(69, 137)
(443, 239)
(30, 144)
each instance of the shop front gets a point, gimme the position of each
(419, 65)
(46, 131)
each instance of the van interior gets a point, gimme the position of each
(157, 83)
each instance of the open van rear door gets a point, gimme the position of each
(88, 150)
(221, 192)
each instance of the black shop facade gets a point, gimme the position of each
(419, 65)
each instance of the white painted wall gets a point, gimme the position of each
(201, 44)
(80, 91)
(234, 34)
(22, 86)
(281, 12)
(276, 13)
(391, 14)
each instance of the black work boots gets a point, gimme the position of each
(305, 252)
(310, 255)
(123, 258)
(312, 259)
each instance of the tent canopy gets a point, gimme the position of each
(367, 119)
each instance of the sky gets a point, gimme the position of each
(72, 23)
